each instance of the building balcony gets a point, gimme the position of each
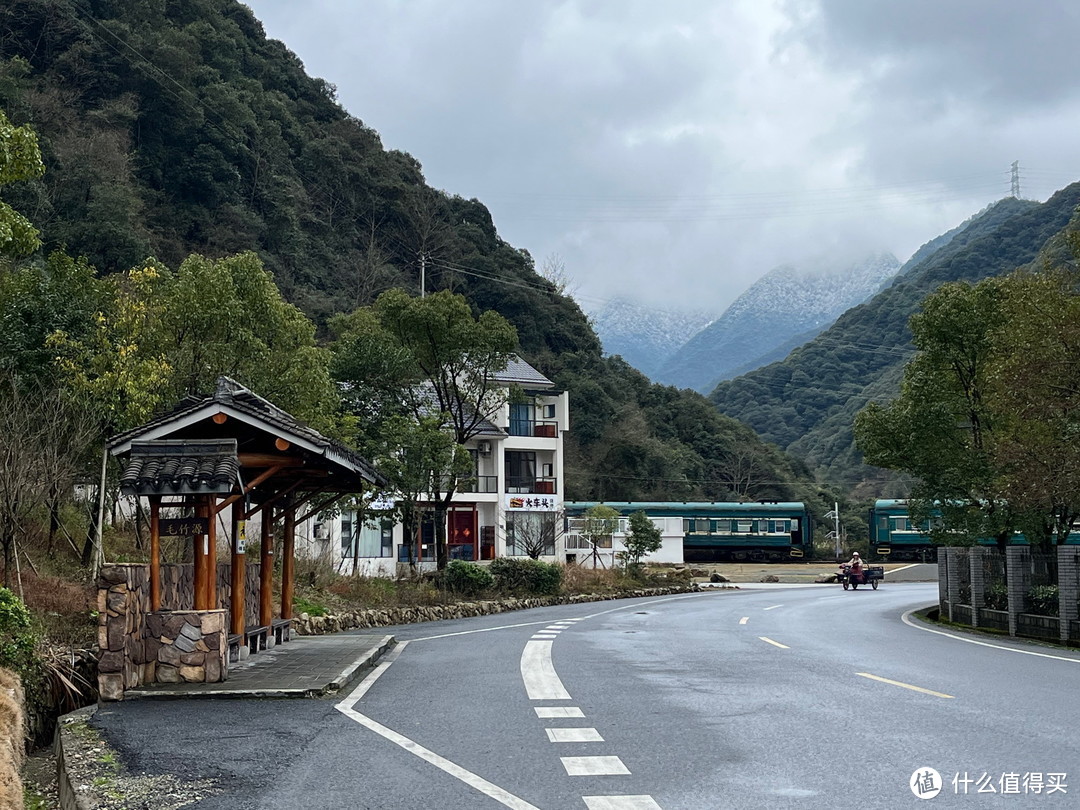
(531, 486)
(480, 483)
(541, 429)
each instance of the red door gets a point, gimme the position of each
(462, 534)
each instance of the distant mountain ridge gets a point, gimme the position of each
(645, 337)
(782, 304)
(806, 402)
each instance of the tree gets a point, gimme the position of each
(431, 359)
(418, 458)
(943, 427)
(644, 538)
(598, 524)
(20, 159)
(1038, 387)
(535, 533)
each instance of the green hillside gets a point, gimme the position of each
(806, 402)
(176, 128)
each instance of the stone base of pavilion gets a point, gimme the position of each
(173, 645)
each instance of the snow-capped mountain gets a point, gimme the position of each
(644, 336)
(782, 304)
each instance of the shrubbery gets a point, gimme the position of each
(465, 578)
(526, 576)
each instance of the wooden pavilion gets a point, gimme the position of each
(225, 459)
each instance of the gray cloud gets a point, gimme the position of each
(675, 152)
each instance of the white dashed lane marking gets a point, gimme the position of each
(594, 766)
(744, 620)
(555, 712)
(768, 640)
(621, 803)
(560, 735)
(538, 673)
(772, 607)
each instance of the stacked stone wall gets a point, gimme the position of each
(123, 603)
(307, 625)
(187, 646)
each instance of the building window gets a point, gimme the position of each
(520, 471)
(372, 538)
(521, 418)
(531, 534)
(549, 411)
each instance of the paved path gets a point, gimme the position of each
(307, 666)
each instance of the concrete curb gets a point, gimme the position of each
(348, 676)
(66, 746)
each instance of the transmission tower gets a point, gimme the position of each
(1016, 179)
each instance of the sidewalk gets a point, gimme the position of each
(307, 666)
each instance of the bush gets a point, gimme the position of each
(1043, 600)
(465, 578)
(997, 597)
(518, 576)
(17, 639)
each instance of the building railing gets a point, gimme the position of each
(532, 485)
(545, 428)
(480, 484)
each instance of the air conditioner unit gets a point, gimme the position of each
(484, 448)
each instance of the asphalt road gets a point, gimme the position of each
(804, 697)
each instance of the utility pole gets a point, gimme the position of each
(835, 534)
(1016, 179)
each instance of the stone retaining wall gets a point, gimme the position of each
(307, 625)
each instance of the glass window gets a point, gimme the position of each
(531, 531)
(521, 417)
(723, 526)
(520, 471)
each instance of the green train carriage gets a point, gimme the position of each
(762, 531)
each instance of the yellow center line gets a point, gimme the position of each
(774, 643)
(904, 685)
(744, 620)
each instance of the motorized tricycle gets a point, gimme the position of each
(852, 579)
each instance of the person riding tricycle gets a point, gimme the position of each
(855, 572)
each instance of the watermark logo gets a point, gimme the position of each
(925, 783)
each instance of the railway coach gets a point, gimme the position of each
(759, 531)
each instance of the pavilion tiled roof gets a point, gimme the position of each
(230, 393)
(172, 467)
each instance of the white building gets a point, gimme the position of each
(511, 505)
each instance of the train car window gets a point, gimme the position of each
(745, 526)
(723, 526)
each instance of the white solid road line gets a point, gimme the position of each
(555, 712)
(906, 619)
(573, 735)
(541, 680)
(503, 797)
(474, 781)
(594, 766)
(621, 803)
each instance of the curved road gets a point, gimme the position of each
(804, 697)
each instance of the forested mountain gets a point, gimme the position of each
(806, 402)
(783, 303)
(644, 336)
(176, 128)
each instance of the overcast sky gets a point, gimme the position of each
(674, 152)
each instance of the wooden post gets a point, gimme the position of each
(266, 571)
(288, 553)
(239, 578)
(198, 564)
(155, 553)
(211, 554)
